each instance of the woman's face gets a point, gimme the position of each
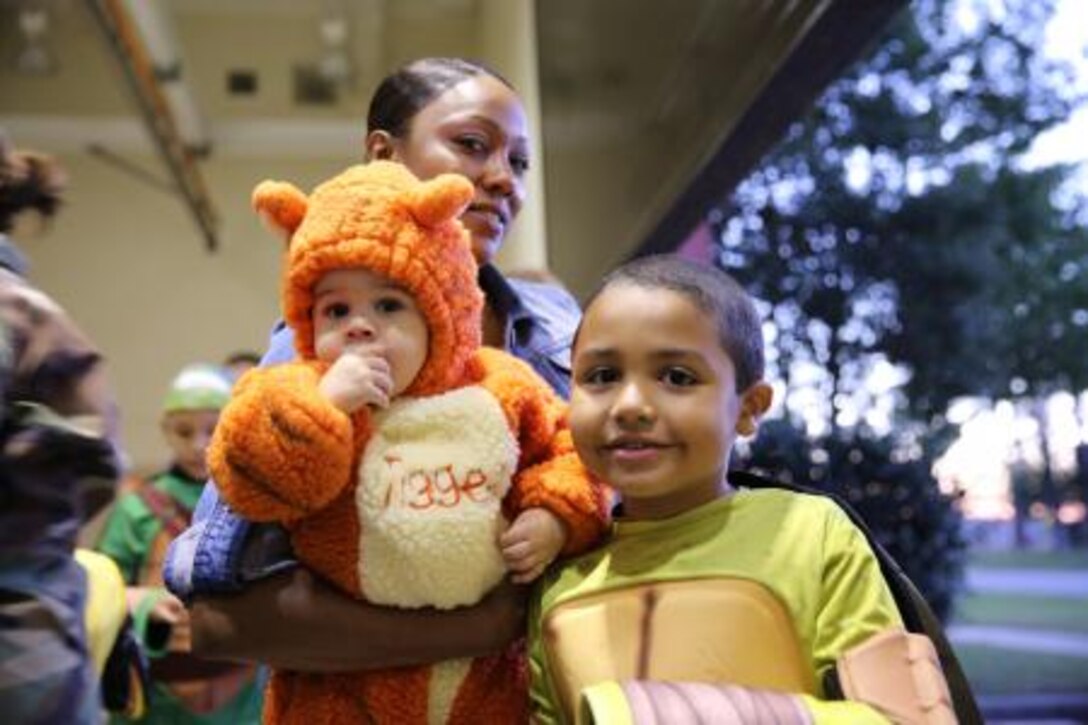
(478, 129)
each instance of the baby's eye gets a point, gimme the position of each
(336, 310)
(678, 377)
(389, 305)
(600, 376)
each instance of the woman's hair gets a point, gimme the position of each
(410, 88)
(28, 181)
(712, 291)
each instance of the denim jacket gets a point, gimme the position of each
(221, 552)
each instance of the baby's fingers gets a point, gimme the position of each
(529, 575)
(517, 552)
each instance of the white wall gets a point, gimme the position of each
(128, 263)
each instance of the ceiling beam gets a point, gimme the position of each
(835, 40)
(120, 32)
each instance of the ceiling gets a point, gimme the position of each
(648, 107)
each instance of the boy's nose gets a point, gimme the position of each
(633, 410)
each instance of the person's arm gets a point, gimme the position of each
(292, 620)
(281, 449)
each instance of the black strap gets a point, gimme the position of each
(913, 608)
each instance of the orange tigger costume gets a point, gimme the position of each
(401, 506)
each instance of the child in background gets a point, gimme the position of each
(186, 689)
(709, 603)
(397, 448)
(240, 362)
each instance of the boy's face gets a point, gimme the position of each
(188, 433)
(361, 312)
(654, 408)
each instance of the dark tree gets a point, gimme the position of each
(898, 222)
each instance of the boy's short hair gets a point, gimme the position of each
(712, 291)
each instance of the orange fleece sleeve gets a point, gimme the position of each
(550, 474)
(280, 450)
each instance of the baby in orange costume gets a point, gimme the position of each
(397, 448)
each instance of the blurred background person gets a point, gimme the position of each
(238, 362)
(59, 464)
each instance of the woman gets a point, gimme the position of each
(434, 115)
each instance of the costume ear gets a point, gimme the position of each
(281, 205)
(441, 199)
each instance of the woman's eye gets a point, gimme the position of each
(600, 376)
(678, 377)
(472, 144)
(389, 305)
(519, 163)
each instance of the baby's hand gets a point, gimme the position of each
(531, 543)
(357, 379)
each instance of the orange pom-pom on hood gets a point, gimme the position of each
(381, 218)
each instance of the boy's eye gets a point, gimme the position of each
(678, 377)
(389, 305)
(600, 376)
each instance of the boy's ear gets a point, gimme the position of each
(754, 402)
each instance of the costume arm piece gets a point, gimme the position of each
(550, 474)
(646, 702)
(280, 450)
(899, 674)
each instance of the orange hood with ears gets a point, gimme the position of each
(381, 218)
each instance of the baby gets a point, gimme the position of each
(397, 448)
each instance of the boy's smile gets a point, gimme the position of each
(654, 408)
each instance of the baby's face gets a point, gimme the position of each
(360, 312)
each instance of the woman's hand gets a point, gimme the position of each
(293, 620)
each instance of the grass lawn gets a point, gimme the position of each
(1063, 560)
(999, 671)
(994, 671)
(1070, 615)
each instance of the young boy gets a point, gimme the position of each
(708, 604)
(397, 448)
(186, 689)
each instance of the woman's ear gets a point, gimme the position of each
(380, 146)
(754, 402)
